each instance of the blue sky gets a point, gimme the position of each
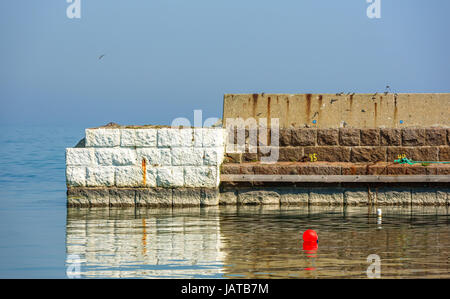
(165, 58)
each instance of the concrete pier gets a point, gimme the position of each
(331, 149)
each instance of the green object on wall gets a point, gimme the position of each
(412, 162)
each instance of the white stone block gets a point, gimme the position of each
(151, 175)
(198, 137)
(127, 137)
(168, 137)
(170, 176)
(213, 138)
(129, 176)
(154, 156)
(103, 156)
(76, 176)
(102, 137)
(201, 176)
(146, 137)
(214, 156)
(138, 137)
(182, 156)
(124, 156)
(79, 156)
(100, 176)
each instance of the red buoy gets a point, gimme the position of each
(310, 236)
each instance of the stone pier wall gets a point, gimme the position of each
(353, 145)
(116, 162)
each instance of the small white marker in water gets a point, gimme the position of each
(379, 218)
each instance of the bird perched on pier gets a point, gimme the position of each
(388, 90)
(374, 96)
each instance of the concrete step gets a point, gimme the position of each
(335, 169)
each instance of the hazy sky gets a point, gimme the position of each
(165, 58)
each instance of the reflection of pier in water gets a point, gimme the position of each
(145, 243)
(266, 242)
(258, 242)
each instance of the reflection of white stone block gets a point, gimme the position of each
(138, 137)
(214, 156)
(76, 176)
(129, 176)
(187, 156)
(168, 137)
(102, 137)
(155, 156)
(124, 156)
(100, 176)
(103, 156)
(170, 176)
(79, 156)
(202, 176)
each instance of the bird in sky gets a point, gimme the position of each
(101, 56)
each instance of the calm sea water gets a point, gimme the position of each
(39, 236)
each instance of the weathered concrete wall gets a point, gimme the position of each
(150, 157)
(340, 110)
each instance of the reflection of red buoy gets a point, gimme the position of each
(310, 246)
(310, 236)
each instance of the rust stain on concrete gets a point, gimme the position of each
(353, 170)
(395, 110)
(308, 107)
(144, 172)
(320, 107)
(376, 113)
(269, 121)
(287, 108)
(255, 102)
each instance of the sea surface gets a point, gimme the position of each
(41, 238)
